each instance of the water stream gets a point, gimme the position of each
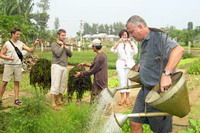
(102, 119)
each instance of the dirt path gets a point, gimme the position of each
(8, 99)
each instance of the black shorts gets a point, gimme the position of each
(161, 124)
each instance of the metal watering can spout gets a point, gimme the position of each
(121, 118)
(112, 92)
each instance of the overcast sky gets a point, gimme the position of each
(157, 13)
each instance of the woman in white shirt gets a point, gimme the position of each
(125, 49)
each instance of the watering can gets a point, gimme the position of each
(175, 100)
(121, 118)
(112, 92)
(134, 76)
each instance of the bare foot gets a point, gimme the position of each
(121, 102)
(128, 103)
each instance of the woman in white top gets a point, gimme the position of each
(125, 50)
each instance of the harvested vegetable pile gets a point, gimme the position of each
(79, 84)
(40, 75)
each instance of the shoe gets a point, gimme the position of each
(17, 102)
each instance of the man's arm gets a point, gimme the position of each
(95, 67)
(68, 51)
(3, 52)
(28, 48)
(56, 50)
(84, 64)
(174, 58)
(31, 49)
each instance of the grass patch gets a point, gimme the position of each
(24, 84)
(194, 68)
(86, 56)
(185, 63)
(36, 117)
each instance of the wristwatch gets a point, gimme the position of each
(167, 73)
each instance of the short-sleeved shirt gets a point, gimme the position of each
(12, 53)
(150, 58)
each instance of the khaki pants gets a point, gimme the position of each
(12, 71)
(58, 79)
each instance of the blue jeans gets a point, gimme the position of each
(158, 124)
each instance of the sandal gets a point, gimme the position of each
(17, 102)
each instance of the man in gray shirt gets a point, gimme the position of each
(60, 54)
(158, 59)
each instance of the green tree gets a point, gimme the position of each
(17, 7)
(87, 29)
(56, 23)
(117, 27)
(42, 18)
(8, 7)
(8, 22)
(94, 28)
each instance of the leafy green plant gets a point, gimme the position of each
(194, 68)
(40, 75)
(34, 116)
(126, 128)
(113, 82)
(78, 84)
(146, 129)
(4, 120)
(71, 119)
(194, 126)
(187, 55)
(186, 63)
(26, 119)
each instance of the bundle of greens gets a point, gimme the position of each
(78, 84)
(40, 75)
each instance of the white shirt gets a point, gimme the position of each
(12, 53)
(125, 54)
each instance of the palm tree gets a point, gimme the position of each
(17, 7)
(8, 7)
(24, 8)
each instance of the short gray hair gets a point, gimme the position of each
(136, 20)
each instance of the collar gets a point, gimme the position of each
(146, 38)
